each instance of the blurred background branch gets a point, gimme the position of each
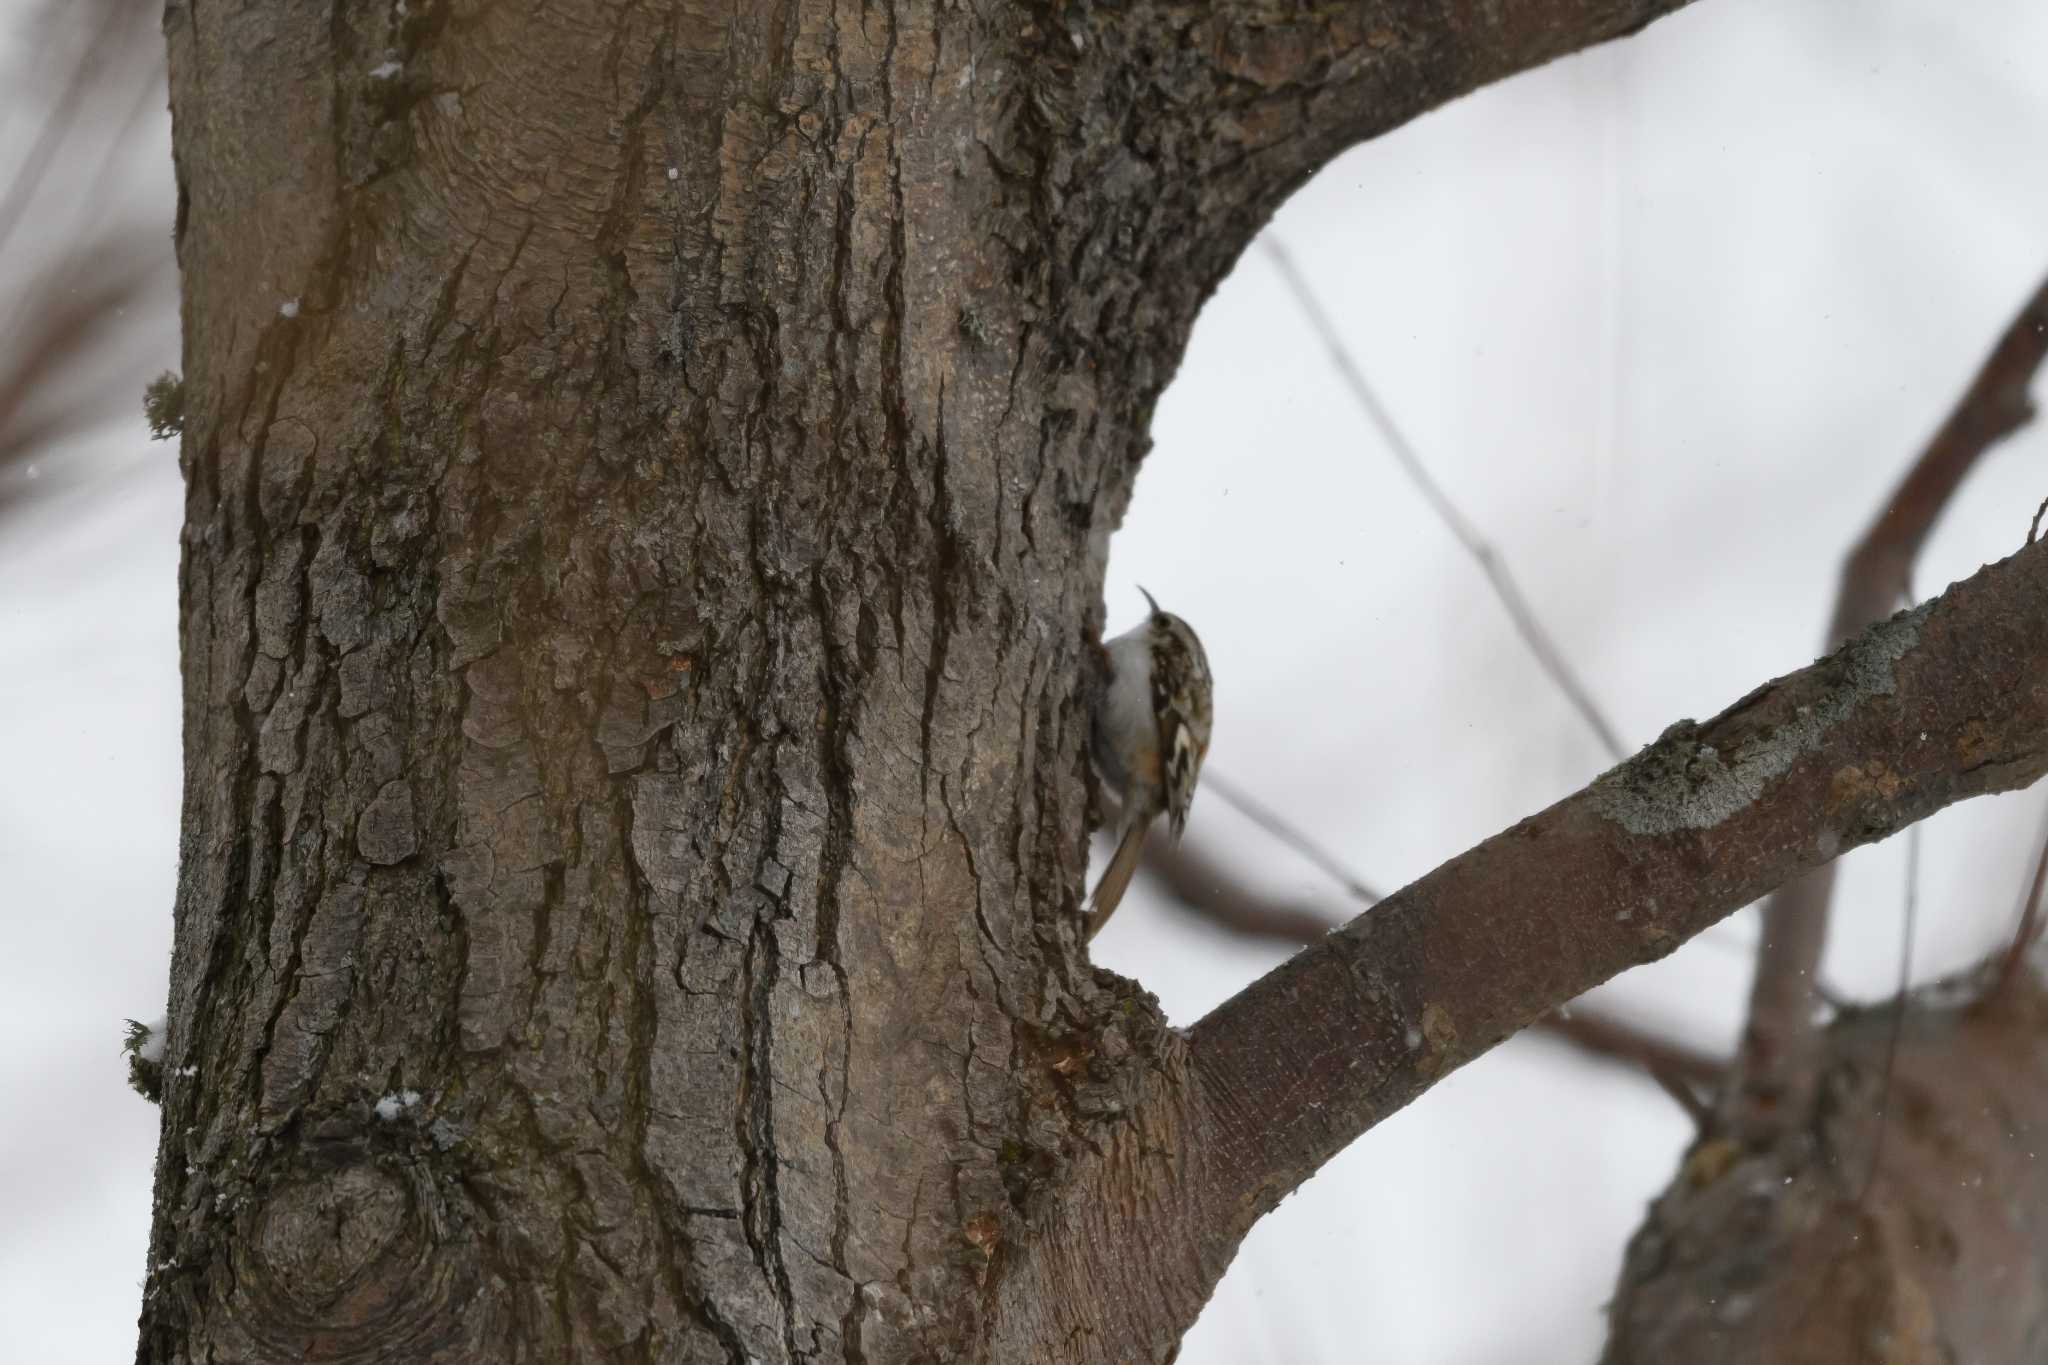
(1779, 1059)
(1778, 1051)
(81, 263)
(2028, 931)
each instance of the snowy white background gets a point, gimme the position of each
(1667, 320)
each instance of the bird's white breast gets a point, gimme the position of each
(1127, 738)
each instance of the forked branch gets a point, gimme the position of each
(1777, 1065)
(1934, 706)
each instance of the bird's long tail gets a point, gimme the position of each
(1117, 877)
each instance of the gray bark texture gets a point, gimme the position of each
(650, 469)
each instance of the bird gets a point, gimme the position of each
(1150, 734)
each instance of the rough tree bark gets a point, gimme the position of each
(649, 474)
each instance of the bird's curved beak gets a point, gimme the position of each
(1149, 602)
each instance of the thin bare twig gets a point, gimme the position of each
(1269, 820)
(1198, 885)
(1778, 1055)
(1548, 657)
(2034, 526)
(74, 305)
(67, 320)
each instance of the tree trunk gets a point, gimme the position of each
(649, 476)
(648, 496)
(1902, 1221)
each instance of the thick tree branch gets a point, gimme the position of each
(1778, 1061)
(1269, 820)
(1204, 889)
(1180, 126)
(1945, 702)
(1669, 1063)
(1279, 87)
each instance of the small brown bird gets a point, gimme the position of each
(1151, 733)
